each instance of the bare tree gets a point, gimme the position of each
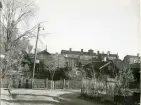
(51, 65)
(123, 78)
(15, 13)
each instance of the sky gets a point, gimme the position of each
(104, 25)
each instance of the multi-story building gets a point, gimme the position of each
(74, 58)
(131, 59)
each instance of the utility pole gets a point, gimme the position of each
(35, 55)
(0, 55)
(34, 66)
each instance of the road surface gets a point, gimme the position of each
(44, 97)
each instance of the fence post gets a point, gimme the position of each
(21, 82)
(86, 86)
(53, 84)
(81, 86)
(106, 87)
(68, 84)
(14, 83)
(64, 84)
(46, 83)
(34, 83)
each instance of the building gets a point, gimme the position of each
(76, 58)
(132, 62)
(45, 62)
(131, 59)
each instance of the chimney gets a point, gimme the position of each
(90, 52)
(97, 52)
(70, 49)
(46, 47)
(138, 54)
(81, 50)
(117, 55)
(108, 53)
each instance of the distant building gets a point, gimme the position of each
(132, 62)
(131, 59)
(43, 54)
(76, 58)
(44, 59)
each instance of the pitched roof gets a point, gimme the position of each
(97, 64)
(130, 56)
(110, 55)
(44, 52)
(118, 63)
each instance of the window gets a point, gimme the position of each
(105, 59)
(135, 61)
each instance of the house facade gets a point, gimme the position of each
(131, 59)
(76, 58)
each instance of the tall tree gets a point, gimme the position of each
(14, 14)
(52, 63)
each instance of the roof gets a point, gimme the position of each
(110, 55)
(86, 53)
(97, 64)
(75, 52)
(119, 63)
(101, 66)
(44, 52)
(130, 56)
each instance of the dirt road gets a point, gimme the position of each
(44, 97)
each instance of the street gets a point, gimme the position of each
(44, 97)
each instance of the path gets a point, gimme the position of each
(44, 97)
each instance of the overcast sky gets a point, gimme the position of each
(104, 25)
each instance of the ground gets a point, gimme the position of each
(44, 97)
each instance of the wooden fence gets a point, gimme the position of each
(98, 88)
(109, 90)
(42, 84)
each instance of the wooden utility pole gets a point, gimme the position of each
(0, 55)
(35, 55)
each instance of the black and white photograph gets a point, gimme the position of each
(70, 52)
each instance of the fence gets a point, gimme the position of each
(109, 90)
(98, 88)
(42, 83)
